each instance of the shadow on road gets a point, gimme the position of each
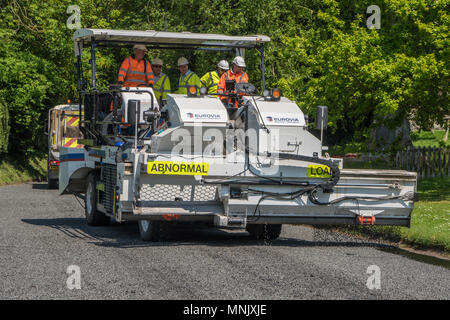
(418, 257)
(78, 229)
(126, 235)
(40, 186)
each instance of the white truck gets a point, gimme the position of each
(62, 131)
(196, 159)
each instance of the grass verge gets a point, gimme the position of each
(22, 170)
(430, 220)
(429, 139)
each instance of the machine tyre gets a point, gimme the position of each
(93, 216)
(149, 230)
(264, 231)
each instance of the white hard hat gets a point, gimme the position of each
(223, 64)
(182, 61)
(140, 47)
(239, 61)
(157, 62)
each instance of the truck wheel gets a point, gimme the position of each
(264, 231)
(149, 230)
(93, 216)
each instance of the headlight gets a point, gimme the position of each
(275, 94)
(203, 91)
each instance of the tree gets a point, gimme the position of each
(321, 53)
(368, 77)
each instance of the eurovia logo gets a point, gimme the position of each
(282, 119)
(203, 116)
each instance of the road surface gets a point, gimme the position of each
(43, 234)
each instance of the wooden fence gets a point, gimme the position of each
(427, 162)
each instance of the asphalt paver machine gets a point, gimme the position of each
(195, 159)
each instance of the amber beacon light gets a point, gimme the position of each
(192, 91)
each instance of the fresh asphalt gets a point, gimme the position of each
(42, 234)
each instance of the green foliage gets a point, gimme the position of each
(351, 147)
(23, 169)
(434, 189)
(4, 127)
(32, 75)
(371, 76)
(321, 53)
(429, 139)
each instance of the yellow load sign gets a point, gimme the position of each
(178, 168)
(319, 171)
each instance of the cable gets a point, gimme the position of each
(256, 209)
(249, 182)
(260, 115)
(281, 195)
(313, 199)
(324, 186)
(179, 155)
(78, 201)
(336, 173)
(223, 180)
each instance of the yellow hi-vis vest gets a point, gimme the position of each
(210, 80)
(162, 87)
(190, 79)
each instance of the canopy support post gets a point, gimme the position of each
(262, 67)
(93, 45)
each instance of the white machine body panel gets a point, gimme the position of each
(144, 98)
(188, 110)
(280, 113)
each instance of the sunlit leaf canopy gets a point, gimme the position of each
(320, 53)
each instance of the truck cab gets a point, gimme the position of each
(63, 131)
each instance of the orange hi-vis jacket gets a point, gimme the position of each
(229, 75)
(133, 73)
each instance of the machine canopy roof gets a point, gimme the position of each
(167, 38)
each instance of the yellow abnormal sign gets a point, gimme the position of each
(178, 168)
(319, 171)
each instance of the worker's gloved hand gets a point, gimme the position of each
(120, 83)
